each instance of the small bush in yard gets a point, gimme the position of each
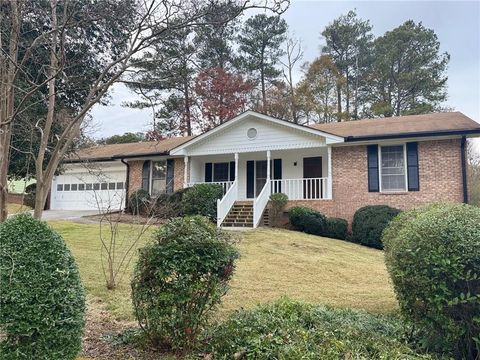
(42, 301)
(169, 205)
(369, 223)
(179, 279)
(337, 228)
(139, 202)
(308, 220)
(201, 199)
(292, 330)
(433, 257)
(29, 198)
(277, 202)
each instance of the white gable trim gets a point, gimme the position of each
(183, 149)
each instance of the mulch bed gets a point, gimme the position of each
(100, 329)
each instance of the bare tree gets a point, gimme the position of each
(294, 54)
(148, 22)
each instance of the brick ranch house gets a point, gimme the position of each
(335, 168)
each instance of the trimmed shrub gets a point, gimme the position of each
(42, 301)
(293, 330)
(277, 202)
(369, 223)
(337, 228)
(29, 198)
(179, 279)
(308, 220)
(169, 205)
(139, 202)
(433, 257)
(201, 199)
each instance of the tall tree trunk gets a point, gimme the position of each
(42, 185)
(347, 92)
(188, 113)
(7, 94)
(339, 102)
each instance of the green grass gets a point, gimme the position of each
(273, 263)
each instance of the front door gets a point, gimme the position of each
(257, 176)
(312, 171)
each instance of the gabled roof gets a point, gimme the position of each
(129, 150)
(330, 138)
(435, 124)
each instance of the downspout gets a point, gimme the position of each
(464, 169)
(126, 181)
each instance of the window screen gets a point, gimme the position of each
(159, 177)
(393, 168)
(220, 172)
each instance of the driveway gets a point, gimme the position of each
(70, 215)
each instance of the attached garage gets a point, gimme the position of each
(93, 186)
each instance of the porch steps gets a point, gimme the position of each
(240, 215)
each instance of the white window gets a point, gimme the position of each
(159, 177)
(393, 168)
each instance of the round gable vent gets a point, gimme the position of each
(252, 133)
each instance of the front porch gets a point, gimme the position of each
(301, 174)
(255, 155)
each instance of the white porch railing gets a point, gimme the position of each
(260, 202)
(226, 202)
(226, 185)
(302, 189)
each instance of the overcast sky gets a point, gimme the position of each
(456, 23)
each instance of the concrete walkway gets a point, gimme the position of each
(70, 215)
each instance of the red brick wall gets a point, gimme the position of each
(440, 173)
(178, 172)
(135, 178)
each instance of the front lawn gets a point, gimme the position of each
(273, 263)
(17, 208)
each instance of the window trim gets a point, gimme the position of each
(405, 168)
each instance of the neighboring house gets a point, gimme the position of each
(335, 168)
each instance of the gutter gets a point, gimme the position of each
(413, 134)
(464, 169)
(126, 181)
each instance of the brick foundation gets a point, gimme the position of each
(440, 173)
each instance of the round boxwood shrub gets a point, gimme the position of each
(201, 199)
(433, 257)
(179, 279)
(139, 202)
(337, 228)
(369, 223)
(308, 220)
(42, 301)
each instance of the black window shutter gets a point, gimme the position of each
(208, 172)
(373, 181)
(250, 179)
(146, 176)
(412, 166)
(232, 170)
(170, 175)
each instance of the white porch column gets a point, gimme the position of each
(185, 172)
(236, 167)
(269, 155)
(329, 173)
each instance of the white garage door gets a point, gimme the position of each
(86, 191)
